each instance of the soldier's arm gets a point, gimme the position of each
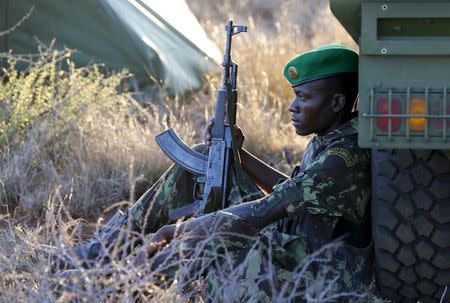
(335, 184)
(264, 175)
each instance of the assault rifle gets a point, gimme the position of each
(215, 168)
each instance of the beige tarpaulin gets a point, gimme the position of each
(155, 39)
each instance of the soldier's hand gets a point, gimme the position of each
(239, 135)
(155, 242)
(160, 238)
(207, 133)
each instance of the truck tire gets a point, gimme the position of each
(411, 224)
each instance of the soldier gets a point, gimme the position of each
(326, 197)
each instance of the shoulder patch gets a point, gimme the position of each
(344, 154)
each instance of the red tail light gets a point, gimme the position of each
(436, 109)
(382, 108)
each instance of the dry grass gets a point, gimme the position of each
(72, 144)
(73, 131)
(26, 274)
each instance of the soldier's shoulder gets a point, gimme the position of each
(347, 132)
(348, 142)
(348, 150)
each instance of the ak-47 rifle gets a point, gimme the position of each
(215, 168)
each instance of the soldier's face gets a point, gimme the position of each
(312, 108)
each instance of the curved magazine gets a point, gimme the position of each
(180, 153)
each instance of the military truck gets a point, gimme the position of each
(404, 118)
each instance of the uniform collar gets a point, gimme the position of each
(347, 129)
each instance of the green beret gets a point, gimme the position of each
(323, 62)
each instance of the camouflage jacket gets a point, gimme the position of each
(331, 185)
(327, 197)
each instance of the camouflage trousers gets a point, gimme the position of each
(273, 266)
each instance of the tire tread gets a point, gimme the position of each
(411, 223)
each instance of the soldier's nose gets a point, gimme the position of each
(293, 107)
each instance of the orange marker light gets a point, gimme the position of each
(417, 106)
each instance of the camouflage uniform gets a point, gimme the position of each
(326, 197)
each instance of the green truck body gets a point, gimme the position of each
(404, 118)
(404, 64)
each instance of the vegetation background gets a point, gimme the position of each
(75, 145)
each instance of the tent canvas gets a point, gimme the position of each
(154, 39)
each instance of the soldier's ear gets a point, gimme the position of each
(338, 102)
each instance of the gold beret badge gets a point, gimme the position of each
(293, 73)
